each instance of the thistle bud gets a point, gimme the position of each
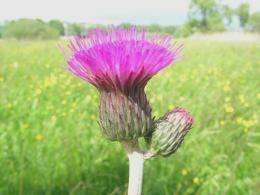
(125, 117)
(170, 131)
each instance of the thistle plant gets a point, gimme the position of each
(119, 62)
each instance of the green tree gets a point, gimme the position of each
(75, 29)
(29, 29)
(205, 15)
(154, 28)
(125, 25)
(1, 30)
(227, 13)
(215, 22)
(184, 30)
(242, 12)
(58, 25)
(254, 22)
(170, 29)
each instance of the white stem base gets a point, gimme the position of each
(136, 164)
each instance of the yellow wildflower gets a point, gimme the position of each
(167, 74)
(38, 91)
(53, 119)
(222, 123)
(93, 117)
(50, 81)
(82, 115)
(9, 106)
(156, 113)
(249, 123)
(239, 120)
(196, 180)
(227, 99)
(229, 109)
(1, 78)
(184, 172)
(258, 95)
(68, 93)
(171, 106)
(25, 125)
(245, 130)
(182, 98)
(246, 104)
(242, 99)
(152, 100)
(227, 87)
(159, 97)
(39, 137)
(74, 105)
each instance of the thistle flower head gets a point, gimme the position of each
(118, 59)
(119, 62)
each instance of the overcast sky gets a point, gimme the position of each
(105, 11)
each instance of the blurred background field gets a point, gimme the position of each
(50, 141)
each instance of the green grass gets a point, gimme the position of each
(50, 141)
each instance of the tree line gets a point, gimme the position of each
(38, 29)
(203, 16)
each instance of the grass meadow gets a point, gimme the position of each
(51, 144)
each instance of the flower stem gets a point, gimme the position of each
(136, 164)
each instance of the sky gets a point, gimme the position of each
(164, 12)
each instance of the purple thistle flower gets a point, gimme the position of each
(119, 62)
(120, 59)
